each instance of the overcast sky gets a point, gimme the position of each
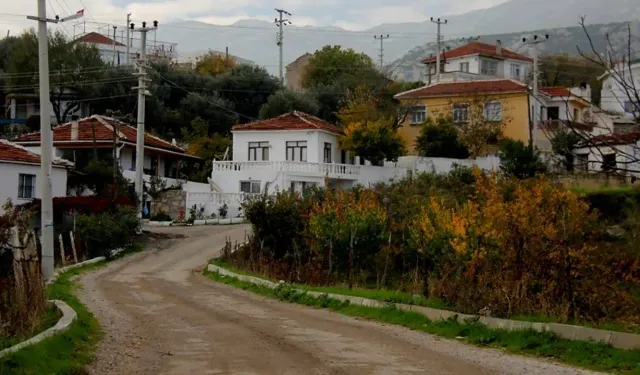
(349, 14)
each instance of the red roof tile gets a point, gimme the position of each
(616, 139)
(96, 38)
(498, 86)
(291, 121)
(12, 153)
(556, 91)
(479, 48)
(104, 132)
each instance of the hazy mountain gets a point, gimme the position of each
(255, 40)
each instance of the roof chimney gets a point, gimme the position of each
(499, 47)
(173, 142)
(74, 128)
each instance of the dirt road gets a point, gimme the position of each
(160, 316)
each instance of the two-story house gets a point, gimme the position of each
(621, 91)
(479, 61)
(291, 152)
(111, 51)
(502, 100)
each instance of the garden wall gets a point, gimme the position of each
(172, 202)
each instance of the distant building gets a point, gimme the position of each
(189, 60)
(618, 91)
(111, 51)
(478, 60)
(295, 72)
(18, 107)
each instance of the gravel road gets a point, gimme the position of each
(160, 316)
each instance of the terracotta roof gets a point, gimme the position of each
(291, 121)
(104, 132)
(479, 48)
(616, 139)
(12, 153)
(556, 91)
(96, 38)
(496, 86)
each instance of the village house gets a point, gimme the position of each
(479, 61)
(20, 171)
(620, 89)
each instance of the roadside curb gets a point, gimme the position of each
(620, 340)
(68, 316)
(62, 270)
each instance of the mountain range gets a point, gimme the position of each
(256, 40)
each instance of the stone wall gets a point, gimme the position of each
(173, 202)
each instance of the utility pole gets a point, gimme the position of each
(533, 42)
(382, 38)
(280, 37)
(128, 43)
(114, 44)
(142, 92)
(440, 38)
(46, 138)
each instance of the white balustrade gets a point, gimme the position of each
(288, 166)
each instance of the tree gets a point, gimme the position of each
(520, 160)
(214, 63)
(571, 71)
(208, 147)
(439, 138)
(562, 144)
(285, 101)
(333, 64)
(375, 141)
(481, 121)
(218, 112)
(75, 69)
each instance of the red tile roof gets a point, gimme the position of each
(556, 91)
(616, 139)
(479, 48)
(104, 132)
(12, 153)
(96, 38)
(497, 86)
(291, 121)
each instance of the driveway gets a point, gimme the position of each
(161, 316)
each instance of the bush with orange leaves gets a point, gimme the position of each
(526, 247)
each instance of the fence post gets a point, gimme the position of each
(73, 247)
(64, 262)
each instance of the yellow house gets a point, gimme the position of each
(500, 100)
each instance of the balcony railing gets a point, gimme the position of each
(288, 166)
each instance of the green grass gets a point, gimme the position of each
(590, 355)
(384, 295)
(47, 320)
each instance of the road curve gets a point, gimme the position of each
(160, 316)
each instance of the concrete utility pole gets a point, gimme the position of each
(440, 38)
(382, 38)
(142, 92)
(114, 44)
(536, 104)
(127, 59)
(46, 138)
(280, 37)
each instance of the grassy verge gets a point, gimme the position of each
(594, 356)
(47, 320)
(384, 295)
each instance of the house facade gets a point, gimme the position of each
(20, 171)
(75, 141)
(18, 107)
(111, 51)
(611, 153)
(295, 72)
(504, 101)
(620, 88)
(292, 152)
(479, 61)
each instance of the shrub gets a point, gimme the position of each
(612, 205)
(223, 211)
(520, 161)
(161, 216)
(440, 140)
(109, 230)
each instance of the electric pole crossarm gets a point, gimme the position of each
(381, 38)
(280, 22)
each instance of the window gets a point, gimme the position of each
(493, 111)
(258, 151)
(464, 67)
(297, 151)
(327, 152)
(250, 187)
(460, 113)
(582, 162)
(418, 114)
(489, 68)
(609, 162)
(27, 186)
(629, 107)
(515, 71)
(553, 113)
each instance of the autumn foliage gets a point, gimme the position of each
(479, 242)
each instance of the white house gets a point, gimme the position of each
(620, 87)
(111, 51)
(477, 60)
(291, 152)
(20, 171)
(20, 106)
(613, 153)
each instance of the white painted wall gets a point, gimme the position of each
(10, 181)
(445, 165)
(504, 68)
(613, 95)
(628, 163)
